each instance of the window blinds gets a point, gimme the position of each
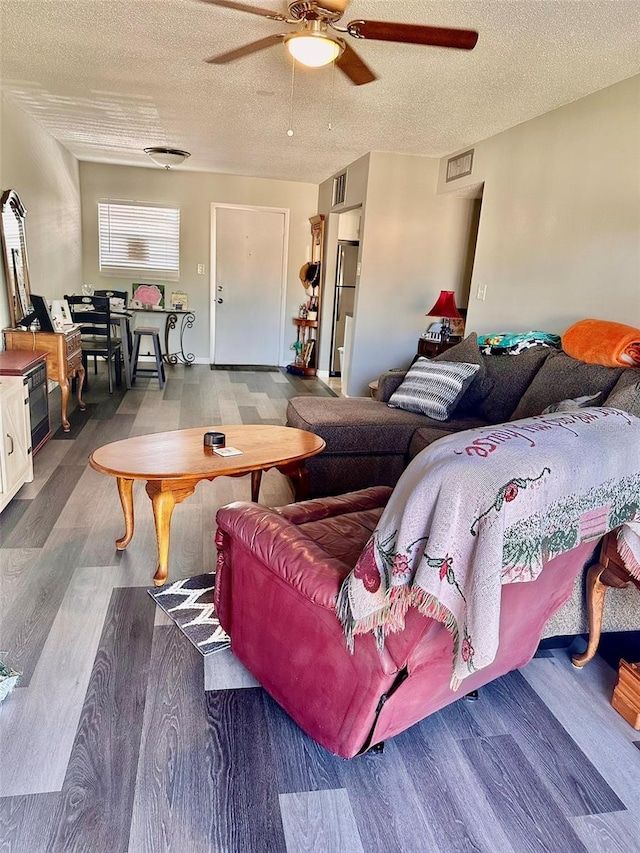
(139, 238)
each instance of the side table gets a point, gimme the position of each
(430, 349)
(305, 363)
(63, 351)
(610, 571)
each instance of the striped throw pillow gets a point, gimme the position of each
(434, 388)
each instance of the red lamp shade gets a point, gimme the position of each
(445, 306)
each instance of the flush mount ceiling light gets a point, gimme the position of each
(167, 157)
(313, 47)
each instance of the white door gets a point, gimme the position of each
(248, 248)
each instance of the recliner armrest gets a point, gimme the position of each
(284, 549)
(316, 510)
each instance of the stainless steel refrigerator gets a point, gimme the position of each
(344, 299)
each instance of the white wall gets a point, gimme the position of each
(559, 236)
(45, 176)
(413, 244)
(193, 192)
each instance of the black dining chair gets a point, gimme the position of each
(124, 296)
(114, 294)
(93, 315)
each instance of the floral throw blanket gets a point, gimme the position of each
(487, 507)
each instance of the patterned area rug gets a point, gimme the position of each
(189, 603)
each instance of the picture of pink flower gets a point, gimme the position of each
(149, 294)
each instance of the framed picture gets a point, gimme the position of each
(60, 311)
(149, 295)
(179, 301)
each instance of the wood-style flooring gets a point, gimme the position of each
(122, 737)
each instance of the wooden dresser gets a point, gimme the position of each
(63, 352)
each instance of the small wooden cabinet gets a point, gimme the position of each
(16, 460)
(64, 358)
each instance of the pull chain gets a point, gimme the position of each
(333, 82)
(293, 80)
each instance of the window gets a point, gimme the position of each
(139, 238)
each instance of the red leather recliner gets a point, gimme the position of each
(279, 572)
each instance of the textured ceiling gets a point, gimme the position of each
(108, 78)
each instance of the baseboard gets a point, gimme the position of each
(263, 367)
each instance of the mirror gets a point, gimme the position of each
(14, 251)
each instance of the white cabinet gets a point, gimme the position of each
(16, 461)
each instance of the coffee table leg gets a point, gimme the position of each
(299, 476)
(164, 496)
(256, 479)
(163, 504)
(125, 490)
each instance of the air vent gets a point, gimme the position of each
(339, 189)
(459, 166)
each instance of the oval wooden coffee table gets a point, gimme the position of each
(173, 463)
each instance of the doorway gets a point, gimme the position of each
(248, 274)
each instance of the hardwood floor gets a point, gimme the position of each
(122, 737)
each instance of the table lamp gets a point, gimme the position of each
(445, 309)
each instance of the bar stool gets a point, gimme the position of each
(154, 333)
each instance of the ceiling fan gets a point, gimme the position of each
(314, 45)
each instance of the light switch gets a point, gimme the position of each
(481, 293)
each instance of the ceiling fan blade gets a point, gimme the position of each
(355, 68)
(245, 7)
(253, 47)
(413, 34)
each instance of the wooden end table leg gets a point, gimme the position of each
(125, 490)
(80, 381)
(64, 393)
(596, 592)
(299, 476)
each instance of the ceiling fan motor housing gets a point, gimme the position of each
(308, 10)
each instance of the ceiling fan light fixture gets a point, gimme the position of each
(313, 49)
(167, 157)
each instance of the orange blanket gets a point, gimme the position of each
(603, 342)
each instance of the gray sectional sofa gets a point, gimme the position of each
(369, 443)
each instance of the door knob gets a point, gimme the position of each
(220, 288)
(220, 301)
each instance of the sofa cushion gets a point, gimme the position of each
(433, 389)
(355, 426)
(468, 352)
(501, 381)
(425, 436)
(562, 377)
(627, 399)
(508, 377)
